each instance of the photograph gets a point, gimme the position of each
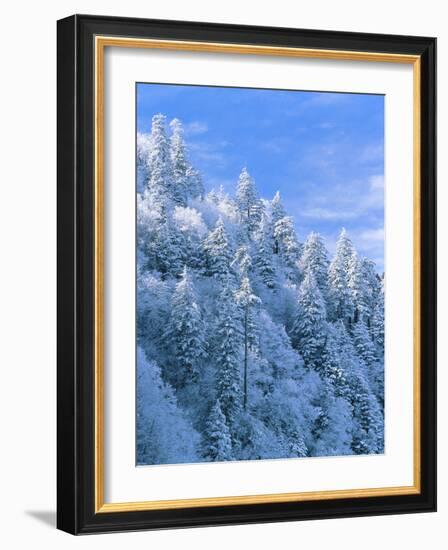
(260, 287)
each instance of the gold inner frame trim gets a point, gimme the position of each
(101, 42)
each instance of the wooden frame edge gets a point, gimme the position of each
(100, 507)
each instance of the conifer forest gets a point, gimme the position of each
(253, 341)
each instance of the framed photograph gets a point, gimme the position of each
(246, 274)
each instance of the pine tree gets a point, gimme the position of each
(217, 443)
(277, 209)
(338, 280)
(164, 435)
(160, 184)
(217, 252)
(263, 257)
(185, 334)
(143, 148)
(378, 323)
(247, 300)
(195, 186)
(308, 330)
(227, 354)
(315, 260)
(368, 421)
(159, 242)
(331, 429)
(363, 344)
(373, 284)
(179, 163)
(249, 206)
(365, 349)
(242, 260)
(290, 364)
(359, 288)
(287, 246)
(169, 248)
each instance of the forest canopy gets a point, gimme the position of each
(252, 343)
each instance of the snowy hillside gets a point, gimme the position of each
(251, 343)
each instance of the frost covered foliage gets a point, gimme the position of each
(251, 343)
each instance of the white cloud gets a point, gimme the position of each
(372, 235)
(195, 128)
(377, 182)
(330, 214)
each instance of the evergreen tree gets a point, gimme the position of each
(315, 260)
(373, 284)
(331, 429)
(378, 323)
(143, 149)
(158, 241)
(194, 183)
(310, 383)
(263, 258)
(249, 206)
(309, 328)
(217, 252)
(227, 354)
(168, 247)
(359, 288)
(247, 300)
(179, 163)
(164, 435)
(363, 343)
(185, 334)
(277, 209)
(368, 421)
(365, 349)
(242, 260)
(287, 246)
(338, 280)
(160, 183)
(217, 443)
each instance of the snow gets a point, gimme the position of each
(251, 345)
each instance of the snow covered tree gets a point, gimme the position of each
(378, 323)
(194, 183)
(160, 183)
(217, 443)
(160, 243)
(242, 260)
(263, 257)
(287, 246)
(368, 421)
(373, 283)
(185, 334)
(247, 300)
(277, 209)
(164, 435)
(179, 162)
(143, 149)
(363, 343)
(250, 344)
(309, 328)
(314, 259)
(248, 203)
(217, 252)
(338, 280)
(227, 354)
(359, 288)
(365, 349)
(331, 430)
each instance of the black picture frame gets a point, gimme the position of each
(76, 269)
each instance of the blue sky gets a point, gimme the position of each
(324, 152)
